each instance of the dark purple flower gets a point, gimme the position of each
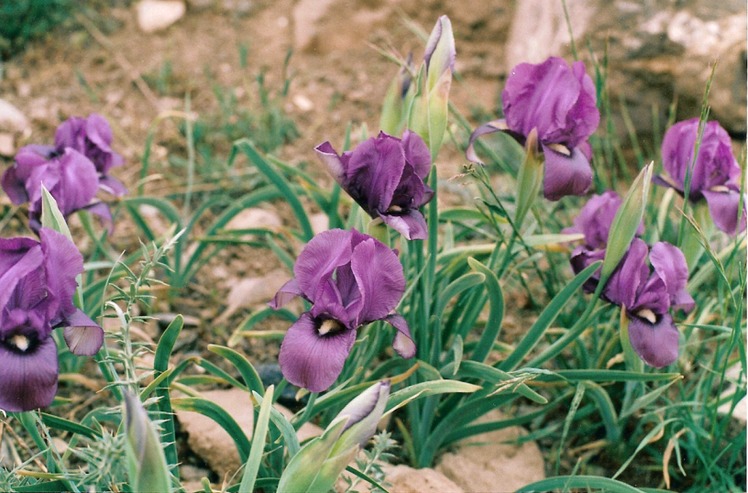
(559, 102)
(73, 170)
(350, 279)
(385, 175)
(92, 137)
(647, 296)
(715, 175)
(38, 279)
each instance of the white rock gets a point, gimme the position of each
(156, 15)
(741, 408)
(303, 103)
(11, 118)
(483, 462)
(7, 145)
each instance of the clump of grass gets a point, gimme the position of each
(24, 20)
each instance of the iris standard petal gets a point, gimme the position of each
(670, 265)
(28, 380)
(565, 174)
(595, 218)
(320, 257)
(31, 261)
(63, 262)
(723, 207)
(655, 343)
(286, 293)
(374, 172)
(79, 181)
(310, 360)
(379, 276)
(417, 154)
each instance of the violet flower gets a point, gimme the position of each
(715, 175)
(648, 297)
(385, 175)
(38, 279)
(73, 170)
(92, 137)
(559, 102)
(351, 280)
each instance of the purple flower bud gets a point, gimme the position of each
(38, 279)
(595, 218)
(385, 176)
(559, 102)
(715, 175)
(351, 280)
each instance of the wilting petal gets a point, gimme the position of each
(403, 343)
(411, 225)
(310, 360)
(320, 257)
(330, 158)
(656, 344)
(28, 380)
(485, 129)
(723, 207)
(565, 175)
(83, 336)
(670, 265)
(286, 293)
(379, 276)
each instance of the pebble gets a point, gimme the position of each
(157, 15)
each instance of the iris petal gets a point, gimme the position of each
(318, 260)
(723, 207)
(83, 336)
(565, 175)
(670, 265)
(312, 361)
(28, 380)
(656, 344)
(379, 276)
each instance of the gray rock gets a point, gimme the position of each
(658, 51)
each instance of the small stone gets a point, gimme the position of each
(303, 103)
(7, 145)
(157, 15)
(11, 118)
(320, 222)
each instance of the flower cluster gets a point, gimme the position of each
(351, 280)
(713, 176)
(73, 170)
(647, 295)
(39, 280)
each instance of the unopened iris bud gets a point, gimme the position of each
(529, 180)
(318, 464)
(145, 454)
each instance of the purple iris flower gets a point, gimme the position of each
(73, 170)
(715, 175)
(92, 137)
(647, 296)
(351, 280)
(559, 103)
(385, 175)
(38, 279)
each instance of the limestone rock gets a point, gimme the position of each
(157, 15)
(212, 443)
(658, 51)
(253, 291)
(7, 145)
(483, 462)
(255, 218)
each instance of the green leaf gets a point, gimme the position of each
(584, 483)
(425, 389)
(63, 424)
(259, 437)
(245, 368)
(495, 315)
(220, 416)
